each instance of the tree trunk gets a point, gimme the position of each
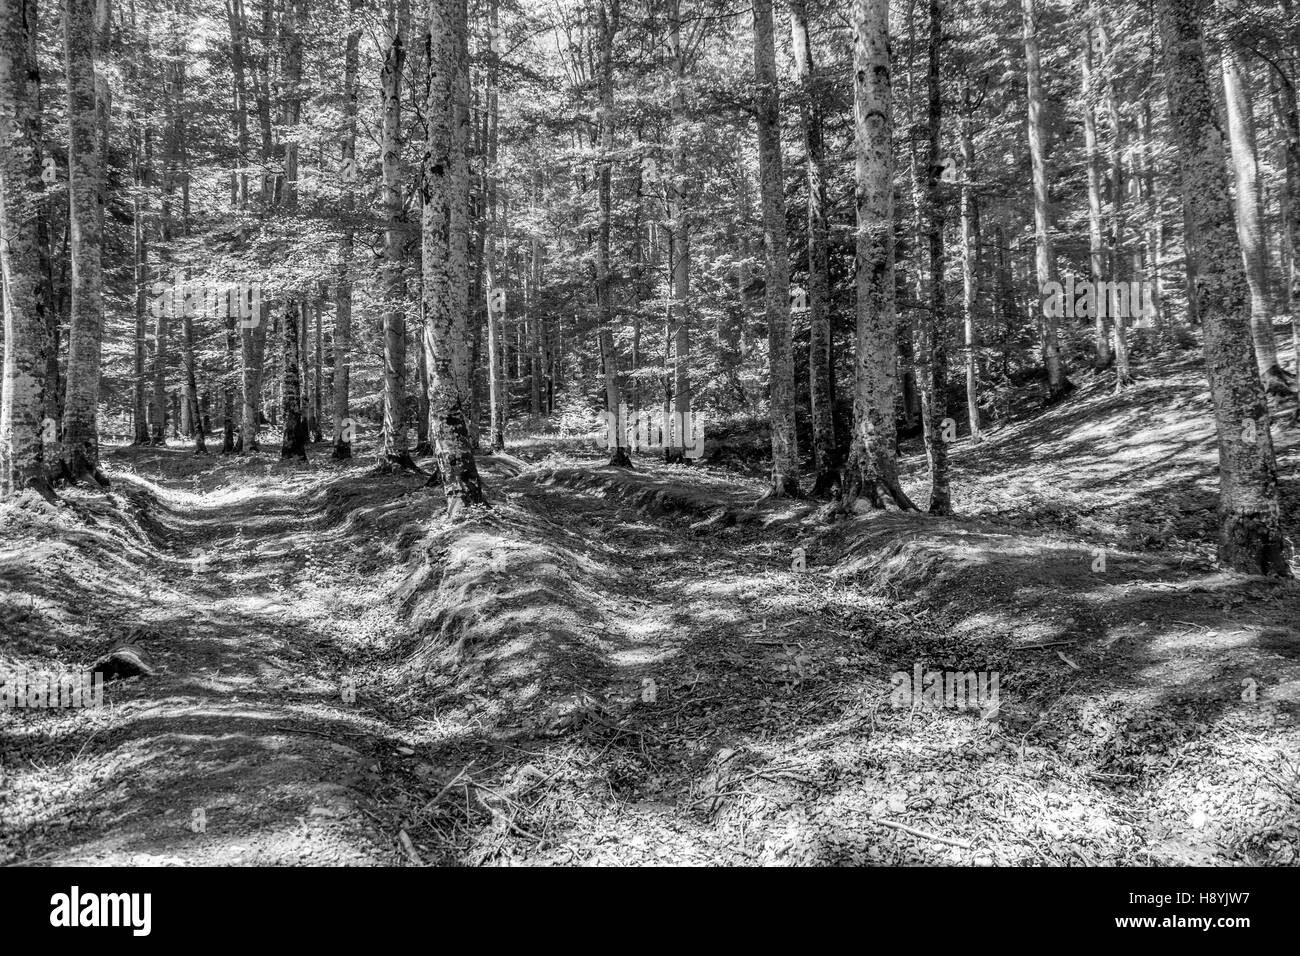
(1247, 205)
(1250, 523)
(825, 458)
(445, 186)
(23, 425)
(970, 244)
(293, 444)
(343, 430)
(785, 448)
(497, 398)
(1096, 247)
(1057, 383)
(394, 449)
(608, 13)
(680, 307)
(872, 468)
(87, 114)
(934, 326)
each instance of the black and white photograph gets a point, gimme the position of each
(651, 434)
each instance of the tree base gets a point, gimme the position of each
(620, 459)
(342, 451)
(390, 464)
(783, 486)
(1058, 394)
(1252, 544)
(828, 484)
(80, 467)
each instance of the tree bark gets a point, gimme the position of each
(970, 244)
(785, 447)
(872, 468)
(608, 13)
(87, 114)
(934, 326)
(394, 449)
(342, 343)
(1250, 538)
(445, 186)
(820, 369)
(1096, 246)
(23, 424)
(1247, 204)
(1057, 383)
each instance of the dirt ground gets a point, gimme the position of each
(614, 667)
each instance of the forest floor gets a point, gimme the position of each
(625, 667)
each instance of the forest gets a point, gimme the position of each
(623, 432)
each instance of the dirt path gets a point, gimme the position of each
(242, 747)
(617, 667)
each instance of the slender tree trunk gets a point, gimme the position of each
(681, 311)
(181, 158)
(785, 447)
(1057, 383)
(1096, 247)
(934, 327)
(1247, 207)
(293, 442)
(970, 244)
(872, 469)
(608, 13)
(1155, 213)
(825, 457)
(1250, 521)
(254, 311)
(142, 142)
(343, 429)
(395, 450)
(498, 405)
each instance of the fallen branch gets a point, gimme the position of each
(962, 844)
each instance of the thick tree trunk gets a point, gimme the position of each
(785, 447)
(1250, 522)
(293, 443)
(87, 114)
(24, 431)
(445, 186)
(872, 469)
